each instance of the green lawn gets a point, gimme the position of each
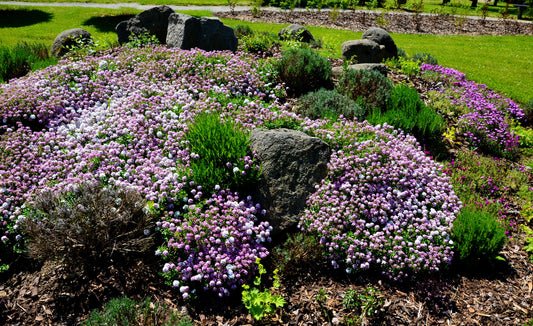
(504, 63)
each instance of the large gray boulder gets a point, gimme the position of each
(292, 164)
(153, 21)
(206, 33)
(296, 32)
(382, 37)
(69, 38)
(365, 51)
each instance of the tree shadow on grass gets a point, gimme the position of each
(23, 17)
(106, 23)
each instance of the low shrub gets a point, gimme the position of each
(124, 311)
(303, 70)
(242, 30)
(406, 111)
(221, 154)
(329, 103)
(87, 226)
(262, 303)
(136, 41)
(22, 58)
(426, 58)
(363, 305)
(371, 86)
(259, 43)
(300, 251)
(528, 112)
(476, 235)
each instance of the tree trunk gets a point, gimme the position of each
(474, 3)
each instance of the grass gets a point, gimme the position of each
(504, 63)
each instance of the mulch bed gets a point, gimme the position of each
(408, 23)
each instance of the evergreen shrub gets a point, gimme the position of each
(477, 235)
(329, 103)
(303, 70)
(220, 154)
(371, 86)
(406, 111)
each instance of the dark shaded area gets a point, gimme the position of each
(23, 17)
(106, 23)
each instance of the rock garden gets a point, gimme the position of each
(199, 174)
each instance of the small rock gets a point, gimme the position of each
(296, 32)
(69, 38)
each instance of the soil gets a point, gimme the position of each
(483, 293)
(393, 22)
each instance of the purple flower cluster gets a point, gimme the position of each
(486, 121)
(385, 205)
(214, 243)
(120, 118)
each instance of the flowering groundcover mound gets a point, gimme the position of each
(483, 115)
(122, 118)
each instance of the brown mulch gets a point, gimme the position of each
(499, 293)
(394, 22)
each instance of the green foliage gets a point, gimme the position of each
(529, 241)
(261, 42)
(477, 234)
(526, 137)
(321, 296)
(124, 311)
(261, 303)
(85, 227)
(475, 176)
(219, 152)
(303, 70)
(242, 30)
(142, 40)
(329, 103)
(528, 111)
(364, 304)
(23, 58)
(300, 251)
(406, 111)
(116, 312)
(424, 58)
(371, 86)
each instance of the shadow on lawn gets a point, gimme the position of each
(106, 23)
(23, 17)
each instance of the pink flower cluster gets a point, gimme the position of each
(384, 206)
(120, 118)
(486, 121)
(213, 245)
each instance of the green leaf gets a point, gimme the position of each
(278, 300)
